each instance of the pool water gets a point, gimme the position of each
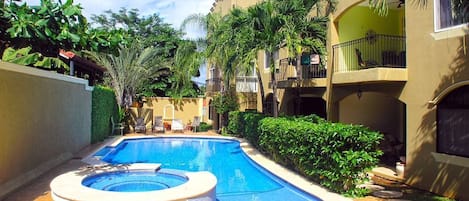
(133, 181)
(239, 178)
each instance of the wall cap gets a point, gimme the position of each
(42, 73)
(451, 159)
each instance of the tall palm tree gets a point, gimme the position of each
(235, 39)
(286, 22)
(186, 64)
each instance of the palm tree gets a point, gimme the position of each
(186, 64)
(128, 71)
(235, 39)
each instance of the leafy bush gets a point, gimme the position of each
(245, 124)
(103, 106)
(203, 127)
(225, 102)
(311, 118)
(333, 154)
(235, 123)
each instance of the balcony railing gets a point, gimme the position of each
(213, 85)
(370, 52)
(290, 72)
(246, 84)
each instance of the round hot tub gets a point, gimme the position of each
(141, 182)
(134, 181)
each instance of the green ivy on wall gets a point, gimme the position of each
(104, 106)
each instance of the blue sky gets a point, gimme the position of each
(172, 11)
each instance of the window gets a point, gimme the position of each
(211, 110)
(267, 59)
(453, 123)
(451, 13)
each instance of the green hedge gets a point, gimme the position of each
(104, 106)
(335, 155)
(245, 124)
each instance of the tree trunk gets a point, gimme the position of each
(274, 85)
(274, 95)
(299, 74)
(261, 88)
(299, 68)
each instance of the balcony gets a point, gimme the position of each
(213, 85)
(246, 84)
(307, 76)
(373, 58)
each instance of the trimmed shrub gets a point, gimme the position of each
(311, 118)
(335, 155)
(235, 123)
(245, 124)
(203, 127)
(251, 127)
(103, 106)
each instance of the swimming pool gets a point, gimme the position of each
(239, 178)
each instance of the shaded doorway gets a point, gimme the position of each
(311, 105)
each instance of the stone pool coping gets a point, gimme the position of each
(69, 186)
(278, 170)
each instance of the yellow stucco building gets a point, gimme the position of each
(405, 74)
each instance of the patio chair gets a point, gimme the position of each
(362, 63)
(140, 126)
(195, 123)
(177, 125)
(117, 126)
(158, 125)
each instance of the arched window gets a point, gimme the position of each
(453, 123)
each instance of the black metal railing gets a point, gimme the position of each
(373, 51)
(288, 71)
(213, 85)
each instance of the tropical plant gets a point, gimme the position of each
(148, 30)
(24, 57)
(186, 63)
(235, 39)
(46, 28)
(181, 57)
(225, 102)
(49, 27)
(129, 70)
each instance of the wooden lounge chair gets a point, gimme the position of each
(158, 125)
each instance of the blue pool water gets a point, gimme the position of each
(239, 178)
(133, 181)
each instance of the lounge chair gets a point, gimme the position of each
(158, 125)
(140, 126)
(195, 123)
(177, 125)
(362, 63)
(117, 126)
